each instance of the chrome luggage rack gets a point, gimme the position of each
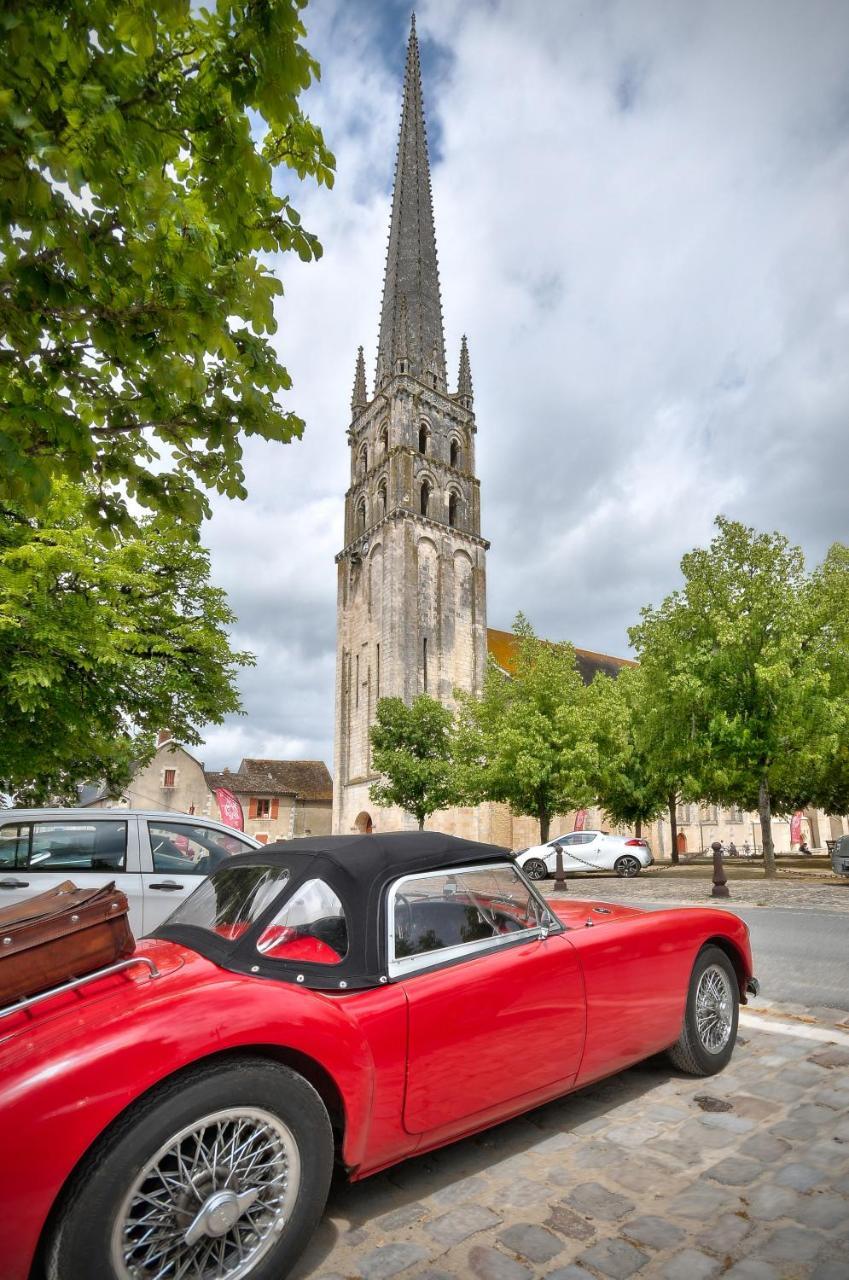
(119, 965)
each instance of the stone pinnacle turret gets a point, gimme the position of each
(464, 378)
(412, 272)
(359, 396)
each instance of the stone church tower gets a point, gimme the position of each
(411, 603)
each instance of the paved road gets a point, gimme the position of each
(801, 957)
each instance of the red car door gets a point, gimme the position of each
(491, 1029)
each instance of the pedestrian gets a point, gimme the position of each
(732, 849)
(803, 849)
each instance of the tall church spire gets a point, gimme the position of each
(412, 273)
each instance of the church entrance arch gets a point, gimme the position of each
(682, 842)
(363, 823)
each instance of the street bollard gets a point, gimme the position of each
(720, 879)
(559, 873)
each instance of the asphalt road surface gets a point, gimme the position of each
(801, 956)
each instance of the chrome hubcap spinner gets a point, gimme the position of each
(714, 1009)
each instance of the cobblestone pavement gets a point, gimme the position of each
(666, 889)
(652, 1174)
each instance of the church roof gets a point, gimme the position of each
(411, 314)
(304, 779)
(502, 646)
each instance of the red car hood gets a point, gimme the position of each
(578, 912)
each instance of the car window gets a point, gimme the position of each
(78, 846)
(14, 844)
(586, 837)
(440, 914)
(187, 849)
(311, 926)
(567, 840)
(229, 902)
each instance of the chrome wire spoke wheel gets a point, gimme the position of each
(714, 1009)
(212, 1200)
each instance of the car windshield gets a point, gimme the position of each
(230, 901)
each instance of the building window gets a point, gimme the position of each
(424, 665)
(423, 438)
(454, 456)
(452, 508)
(363, 459)
(425, 497)
(381, 497)
(263, 808)
(361, 516)
(384, 440)
(170, 777)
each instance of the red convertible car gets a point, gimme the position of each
(348, 999)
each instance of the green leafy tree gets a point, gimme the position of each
(527, 740)
(729, 663)
(138, 141)
(103, 641)
(829, 639)
(412, 747)
(632, 786)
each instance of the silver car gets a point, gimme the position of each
(156, 859)
(587, 851)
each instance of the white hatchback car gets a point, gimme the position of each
(156, 859)
(587, 851)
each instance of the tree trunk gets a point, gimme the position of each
(638, 828)
(421, 823)
(673, 823)
(544, 825)
(765, 812)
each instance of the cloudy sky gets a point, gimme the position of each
(642, 216)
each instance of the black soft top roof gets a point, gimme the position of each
(358, 868)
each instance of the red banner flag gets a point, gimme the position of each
(230, 809)
(580, 819)
(796, 828)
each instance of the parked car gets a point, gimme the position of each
(350, 999)
(154, 858)
(587, 851)
(840, 856)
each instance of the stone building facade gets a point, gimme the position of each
(411, 587)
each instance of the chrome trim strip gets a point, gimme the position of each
(80, 982)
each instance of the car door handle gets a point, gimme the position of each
(10, 883)
(165, 884)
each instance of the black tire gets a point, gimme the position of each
(627, 866)
(692, 1051)
(80, 1244)
(535, 869)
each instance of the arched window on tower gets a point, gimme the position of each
(424, 436)
(361, 517)
(381, 499)
(362, 459)
(425, 497)
(453, 507)
(455, 454)
(384, 439)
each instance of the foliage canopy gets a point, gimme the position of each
(412, 748)
(135, 208)
(103, 641)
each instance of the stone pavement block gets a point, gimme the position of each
(777, 1090)
(641, 1175)
(403, 1217)
(751, 1269)
(557, 1142)
(654, 1233)
(633, 1135)
(696, 1135)
(489, 1264)
(614, 1258)
(725, 1234)
(389, 1260)
(455, 1192)
(822, 1209)
(691, 1264)
(832, 1056)
(763, 1146)
(728, 1121)
(736, 1172)
(795, 1130)
(792, 1244)
(813, 1115)
(699, 1201)
(523, 1193)
(460, 1223)
(804, 1074)
(832, 1154)
(835, 1097)
(799, 1176)
(531, 1242)
(770, 1202)
(830, 1269)
(597, 1155)
(569, 1223)
(569, 1273)
(596, 1200)
(752, 1108)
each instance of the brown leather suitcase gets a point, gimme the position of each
(61, 934)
